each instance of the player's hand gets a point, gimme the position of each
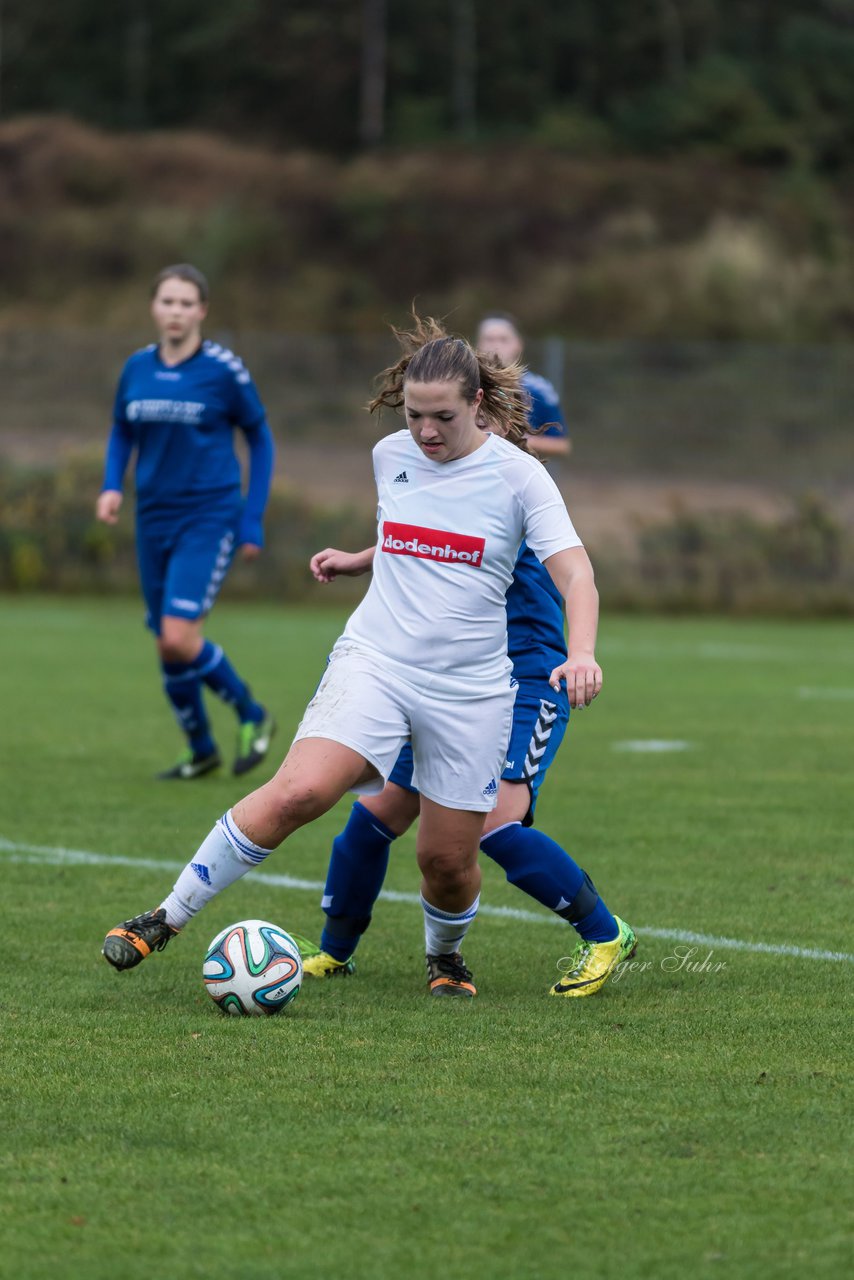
(108, 506)
(249, 552)
(583, 677)
(330, 564)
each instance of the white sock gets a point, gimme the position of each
(224, 856)
(444, 931)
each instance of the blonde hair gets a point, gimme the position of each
(431, 354)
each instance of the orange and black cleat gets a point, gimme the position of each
(129, 943)
(448, 976)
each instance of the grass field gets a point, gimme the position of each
(683, 1123)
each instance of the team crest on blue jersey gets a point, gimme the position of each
(186, 413)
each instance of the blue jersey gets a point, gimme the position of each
(181, 419)
(535, 610)
(535, 614)
(545, 406)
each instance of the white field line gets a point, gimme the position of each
(720, 651)
(712, 650)
(651, 746)
(826, 694)
(56, 856)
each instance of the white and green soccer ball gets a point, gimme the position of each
(252, 968)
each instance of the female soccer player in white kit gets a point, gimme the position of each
(424, 656)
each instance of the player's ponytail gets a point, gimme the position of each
(505, 402)
(430, 354)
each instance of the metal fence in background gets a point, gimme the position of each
(779, 416)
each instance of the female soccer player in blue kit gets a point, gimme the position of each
(530, 859)
(498, 335)
(177, 404)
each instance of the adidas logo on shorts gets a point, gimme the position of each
(491, 789)
(403, 478)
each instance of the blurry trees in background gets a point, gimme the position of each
(464, 62)
(636, 168)
(373, 83)
(770, 81)
(137, 62)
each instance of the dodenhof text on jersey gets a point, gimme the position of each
(432, 544)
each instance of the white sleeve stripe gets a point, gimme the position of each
(223, 355)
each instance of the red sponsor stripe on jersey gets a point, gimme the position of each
(432, 544)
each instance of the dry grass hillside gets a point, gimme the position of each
(614, 247)
(700, 442)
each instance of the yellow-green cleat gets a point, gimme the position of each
(253, 743)
(322, 965)
(592, 963)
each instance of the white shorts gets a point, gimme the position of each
(458, 746)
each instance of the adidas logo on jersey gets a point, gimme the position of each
(403, 478)
(491, 789)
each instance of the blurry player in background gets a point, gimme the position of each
(498, 335)
(424, 656)
(177, 404)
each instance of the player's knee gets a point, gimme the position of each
(445, 871)
(395, 807)
(297, 804)
(176, 651)
(178, 643)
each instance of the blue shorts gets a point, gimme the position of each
(540, 717)
(182, 568)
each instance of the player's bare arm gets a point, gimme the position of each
(572, 574)
(329, 564)
(549, 446)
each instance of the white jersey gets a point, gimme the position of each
(448, 539)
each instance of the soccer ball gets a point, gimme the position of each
(252, 968)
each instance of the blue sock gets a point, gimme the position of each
(538, 866)
(183, 688)
(356, 873)
(219, 675)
